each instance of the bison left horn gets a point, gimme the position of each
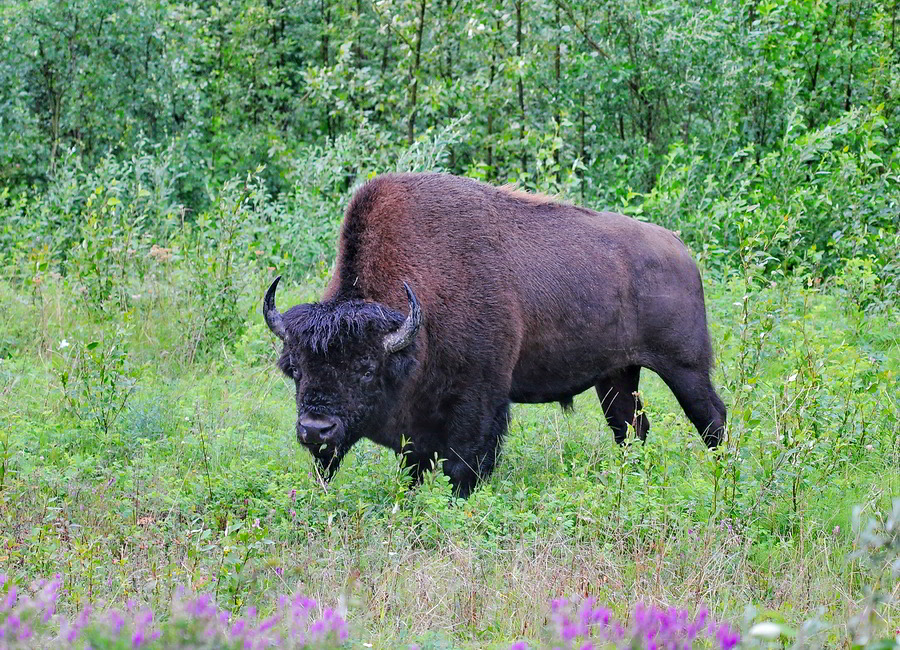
(406, 333)
(273, 317)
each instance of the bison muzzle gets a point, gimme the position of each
(451, 299)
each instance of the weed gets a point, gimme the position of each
(97, 379)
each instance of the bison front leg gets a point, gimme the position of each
(417, 464)
(474, 444)
(621, 404)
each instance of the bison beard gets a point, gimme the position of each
(452, 298)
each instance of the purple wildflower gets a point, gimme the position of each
(268, 624)
(601, 615)
(651, 628)
(317, 629)
(304, 603)
(10, 599)
(116, 622)
(238, 628)
(70, 632)
(568, 631)
(25, 633)
(726, 637)
(558, 603)
(140, 636)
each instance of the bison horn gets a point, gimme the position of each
(273, 317)
(406, 333)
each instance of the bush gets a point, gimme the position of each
(826, 195)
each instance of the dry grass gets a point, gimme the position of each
(172, 494)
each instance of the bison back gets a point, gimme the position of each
(537, 297)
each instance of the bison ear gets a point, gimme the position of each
(406, 333)
(270, 312)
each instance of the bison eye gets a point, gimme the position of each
(368, 375)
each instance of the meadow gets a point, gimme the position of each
(147, 443)
(161, 162)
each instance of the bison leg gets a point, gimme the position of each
(417, 464)
(621, 404)
(475, 451)
(698, 398)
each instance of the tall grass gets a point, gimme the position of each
(145, 438)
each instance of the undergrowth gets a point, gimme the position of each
(146, 437)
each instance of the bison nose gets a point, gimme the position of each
(317, 428)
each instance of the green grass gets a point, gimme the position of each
(199, 481)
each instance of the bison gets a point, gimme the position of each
(451, 299)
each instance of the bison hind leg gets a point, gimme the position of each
(621, 403)
(696, 395)
(716, 434)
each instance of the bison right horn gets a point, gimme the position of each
(270, 312)
(406, 333)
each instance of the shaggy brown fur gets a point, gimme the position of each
(525, 299)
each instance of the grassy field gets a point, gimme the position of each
(162, 162)
(131, 464)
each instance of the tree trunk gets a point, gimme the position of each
(414, 76)
(490, 108)
(557, 117)
(894, 28)
(582, 154)
(357, 42)
(520, 87)
(448, 77)
(853, 20)
(326, 27)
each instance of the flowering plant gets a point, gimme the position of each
(586, 626)
(194, 622)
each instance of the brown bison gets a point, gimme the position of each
(451, 298)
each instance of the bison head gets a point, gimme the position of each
(348, 360)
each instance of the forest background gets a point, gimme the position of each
(161, 161)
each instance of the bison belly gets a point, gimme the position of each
(612, 313)
(565, 356)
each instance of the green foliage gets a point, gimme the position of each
(199, 480)
(162, 162)
(97, 379)
(780, 118)
(825, 196)
(304, 225)
(880, 551)
(216, 252)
